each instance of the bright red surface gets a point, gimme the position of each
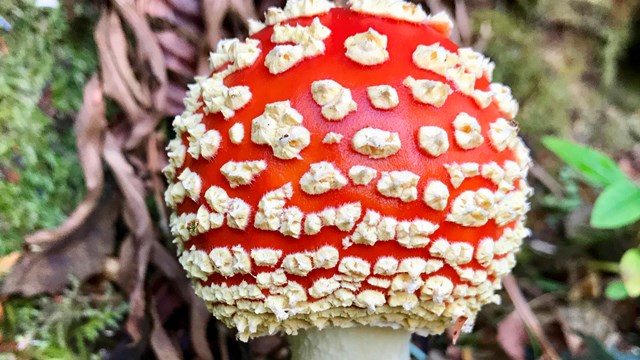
(406, 119)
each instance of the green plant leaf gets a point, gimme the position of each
(598, 168)
(617, 206)
(598, 351)
(616, 290)
(630, 271)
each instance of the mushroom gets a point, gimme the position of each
(347, 176)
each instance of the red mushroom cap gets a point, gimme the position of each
(345, 167)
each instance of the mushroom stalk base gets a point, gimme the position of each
(358, 343)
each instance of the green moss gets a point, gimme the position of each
(40, 179)
(604, 22)
(562, 60)
(543, 96)
(74, 325)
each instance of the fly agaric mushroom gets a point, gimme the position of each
(345, 174)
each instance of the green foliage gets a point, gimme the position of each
(65, 327)
(616, 290)
(619, 203)
(595, 166)
(630, 271)
(617, 206)
(550, 286)
(40, 178)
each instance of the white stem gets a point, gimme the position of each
(358, 343)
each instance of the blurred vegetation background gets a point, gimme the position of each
(574, 65)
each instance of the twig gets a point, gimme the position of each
(464, 22)
(528, 317)
(606, 266)
(547, 180)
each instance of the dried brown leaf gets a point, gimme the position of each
(175, 96)
(199, 315)
(512, 336)
(161, 10)
(174, 107)
(160, 341)
(138, 220)
(131, 186)
(528, 317)
(176, 93)
(178, 66)
(178, 46)
(114, 85)
(90, 126)
(199, 318)
(456, 329)
(187, 7)
(203, 67)
(170, 267)
(118, 51)
(244, 8)
(127, 260)
(137, 306)
(148, 49)
(80, 254)
(143, 128)
(213, 14)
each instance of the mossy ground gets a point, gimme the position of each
(568, 64)
(43, 69)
